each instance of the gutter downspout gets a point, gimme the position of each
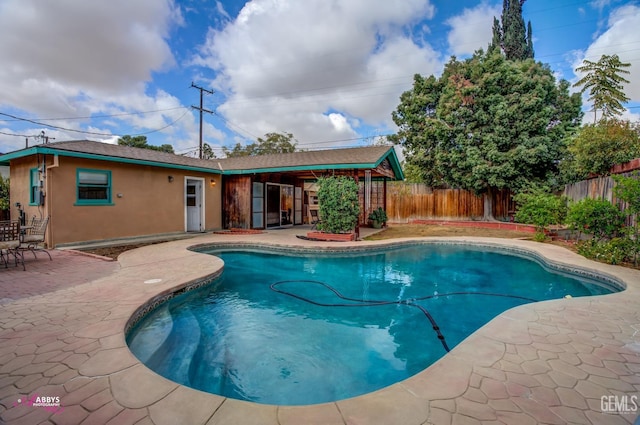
(49, 203)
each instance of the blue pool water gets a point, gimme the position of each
(312, 328)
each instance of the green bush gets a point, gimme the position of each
(378, 215)
(339, 204)
(540, 208)
(615, 251)
(4, 194)
(627, 189)
(540, 236)
(596, 217)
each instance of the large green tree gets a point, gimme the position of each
(605, 85)
(598, 147)
(510, 35)
(141, 142)
(419, 124)
(272, 143)
(487, 123)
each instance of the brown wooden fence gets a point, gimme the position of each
(597, 188)
(414, 201)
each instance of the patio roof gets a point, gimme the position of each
(382, 159)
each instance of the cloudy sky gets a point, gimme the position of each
(328, 71)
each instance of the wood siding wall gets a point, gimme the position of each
(237, 202)
(411, 201)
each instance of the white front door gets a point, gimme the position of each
(193, 204)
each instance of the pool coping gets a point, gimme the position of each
(548, 362)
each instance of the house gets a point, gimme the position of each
(95, 191)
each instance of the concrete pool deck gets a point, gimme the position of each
(62, 335)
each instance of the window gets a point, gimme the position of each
(191, 195)
(93, 187)
(34, 185)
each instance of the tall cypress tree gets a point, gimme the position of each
(510, 35)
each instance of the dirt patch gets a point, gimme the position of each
(416, 230)
(234, 231)
(114, 251)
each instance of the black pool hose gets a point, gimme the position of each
(372, 303)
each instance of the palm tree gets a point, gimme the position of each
(605, 84)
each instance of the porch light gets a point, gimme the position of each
(170, 178)
(212, 182)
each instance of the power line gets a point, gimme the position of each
(103, 116)
(227, 123)
(93, 133)
(15, 135)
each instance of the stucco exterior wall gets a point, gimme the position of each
(144, 201)
(19, 188)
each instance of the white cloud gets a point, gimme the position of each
(70, 58)
(289, 65)
(472, 29)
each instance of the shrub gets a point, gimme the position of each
(378, 215)
(540, 208)
(4, 194)
(627, 189)
(339, 204)
(540, 236)
(615, 251)
(596, 217)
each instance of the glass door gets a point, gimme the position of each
(279, 208)
(258, 206)
(286, 205)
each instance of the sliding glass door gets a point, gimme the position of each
(279, 205)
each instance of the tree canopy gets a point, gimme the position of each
(487, 123)
(510, 35)
(207, 152)
(272, 143)
(141, 142)
(598, 147)
(605, 85)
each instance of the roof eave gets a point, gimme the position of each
(5, 159)
(300, 168)
(395, 163)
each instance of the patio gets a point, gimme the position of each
(62, 335)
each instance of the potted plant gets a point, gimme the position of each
(378, 218)
(339, 208)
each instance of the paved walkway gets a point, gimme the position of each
(66, 270)
(62, 335)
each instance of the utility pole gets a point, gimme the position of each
(201, 109)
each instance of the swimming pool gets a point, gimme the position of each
(274, 328)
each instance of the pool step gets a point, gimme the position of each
(173, 358)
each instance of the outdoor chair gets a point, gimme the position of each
(315, 218)
(9, 243)
(33, 236)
